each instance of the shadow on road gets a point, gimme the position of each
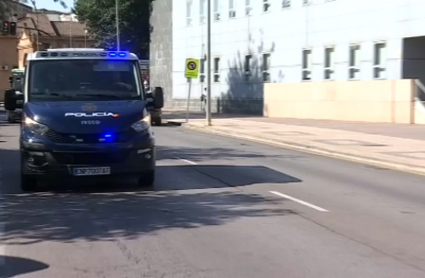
(109, 212)
(38, 217)
(15, 266)
(199, 154)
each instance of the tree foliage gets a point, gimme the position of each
(100, 18)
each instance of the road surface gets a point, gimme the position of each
(222, 208)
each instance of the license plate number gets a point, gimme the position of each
(92, 171)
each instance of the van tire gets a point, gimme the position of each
(28, 183)
(147, 179)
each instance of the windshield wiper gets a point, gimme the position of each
(52, 94)
(100, 96)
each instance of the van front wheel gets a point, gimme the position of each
(28, 183)
(147, 179)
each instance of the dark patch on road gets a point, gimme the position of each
(171, 123)
(236, 176)
(376, 167)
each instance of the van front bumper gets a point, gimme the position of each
(42, 160)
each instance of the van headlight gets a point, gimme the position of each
(143, 124)
(34, 127)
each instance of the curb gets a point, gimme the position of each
(314, 150)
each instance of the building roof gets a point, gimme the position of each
(13, 8)
(52, 25)
(64, 28)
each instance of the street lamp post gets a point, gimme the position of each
(117, 23)
(208, 116)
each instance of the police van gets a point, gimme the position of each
(85, 114)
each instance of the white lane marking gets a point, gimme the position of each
(299, 201)
(187, 161)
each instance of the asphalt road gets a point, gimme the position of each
(222, 208)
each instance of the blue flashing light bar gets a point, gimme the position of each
(108, 135)
(115, 54)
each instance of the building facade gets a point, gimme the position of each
(290, 41)
(50, 30)
(8, 52)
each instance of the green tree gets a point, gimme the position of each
(135, 30)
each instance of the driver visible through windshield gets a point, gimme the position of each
(84, 79)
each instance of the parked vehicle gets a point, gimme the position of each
(16, 81)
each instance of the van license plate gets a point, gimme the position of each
(92, 171)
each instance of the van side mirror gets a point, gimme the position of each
(10, 100)
(158, 97)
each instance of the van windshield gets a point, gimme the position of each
(79, 80)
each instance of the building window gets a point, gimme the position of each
(216, 10)
(189, 12)
(266, 67)
(306, 67)
(266, 5)
(286, 4)
(232, 9)
(202, 11)
(379, 60)
(329, 63)
(216, 69)
(247, 67)
(248, 8)
(354, 63)
(202, 70)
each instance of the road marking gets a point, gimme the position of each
(299, 201)
(188, 161)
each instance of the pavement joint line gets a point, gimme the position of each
(317, 151)
(299, 201)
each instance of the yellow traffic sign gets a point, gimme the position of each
(192, 68)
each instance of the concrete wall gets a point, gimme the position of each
(284, 33)
(8, 57)
(161, 55)
(386, 101)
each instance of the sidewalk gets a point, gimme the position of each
(394, 146)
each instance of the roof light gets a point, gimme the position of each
(122, 54)
(113, 54)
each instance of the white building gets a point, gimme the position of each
(288, 41)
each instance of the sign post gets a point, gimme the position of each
(191, 71)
